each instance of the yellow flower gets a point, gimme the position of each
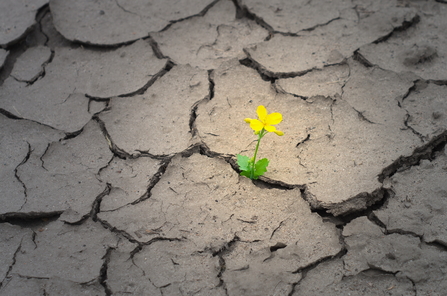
(266, 121)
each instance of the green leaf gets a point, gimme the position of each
(246, 174)
(261, 167)
(244, 162)
(245, 165)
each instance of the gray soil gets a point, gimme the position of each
(120, 122)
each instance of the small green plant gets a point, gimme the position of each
(249, 167)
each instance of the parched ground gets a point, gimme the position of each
(120, 122)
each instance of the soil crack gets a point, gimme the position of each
(226, 249)
(200, 14)
(404, 26)
(168, 66)
(18, 177)
(243, 11)
(103, 272)
(426, 151)
(97, 203)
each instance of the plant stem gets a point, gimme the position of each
(260, 135)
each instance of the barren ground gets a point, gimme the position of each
(120, 122)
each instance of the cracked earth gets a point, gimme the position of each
(120, 122)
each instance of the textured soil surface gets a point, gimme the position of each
(120, 122)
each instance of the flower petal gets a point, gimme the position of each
(256, 125)
(262, 113)
(270, 128)
(273, 118)
(279, 133)
(248, 120)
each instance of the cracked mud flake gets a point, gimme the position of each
(11, 238)
(129, 180)
(68, 171)
(158, 121)
(117, 72)
(403, 255)
(19, 139)
(343, 153)
(29, 66)
(207, 41)
(346, 166)
(184, 203)
(18, 285)
(17, 16)
(427, 108)
(178, 269)
(70, 252)
(326, 45)
(124, 277)
(327, 82)
(420, 203)
(203, 201)
(117, 21)
(328, 279)
(420, 50)
(164, 268)
(251, 269)
(368, 246)
(294, 16)
(48, 101)
(58, 98)
(376, 94)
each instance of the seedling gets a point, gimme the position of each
(249, 167)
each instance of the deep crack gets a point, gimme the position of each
(103, 272)
(364, 203)
(30, 220)
(321, 25)
(404, 26)
(156, 49)
(211, 84)
(243, 11)
(45, 11)
(357, 56)
(426, 151)
(19, 217)
(154, 180)
(97, 202)
(9, 114)
(120, 153)
(268, 75)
